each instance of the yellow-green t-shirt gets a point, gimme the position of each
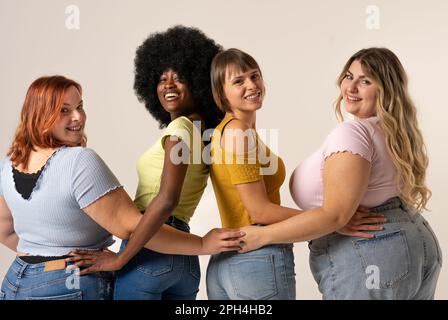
(229, 169)
(150, 167)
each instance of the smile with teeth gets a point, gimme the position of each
(171, 96)
(353, 99)
(253, 96)
(78, 128)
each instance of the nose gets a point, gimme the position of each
(352, 87)
(169, 83)
(251, 84)
(76, 115)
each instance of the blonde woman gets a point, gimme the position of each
(378, 160)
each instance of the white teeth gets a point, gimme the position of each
(253, 96)
(353, 98)
(74, 128)
(171, 95)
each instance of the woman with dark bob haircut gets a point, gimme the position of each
(172, 79)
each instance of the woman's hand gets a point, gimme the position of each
(220, 240)
(363, 220)
(98, 260)
(253, 239)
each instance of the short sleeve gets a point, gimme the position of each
(91, 178)
(181, 128)
(243, 167)
(349, 136)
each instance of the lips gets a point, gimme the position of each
(253, 96)
(170, 95)
(350, 98)
(74, 128)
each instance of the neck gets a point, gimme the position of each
(248, 117)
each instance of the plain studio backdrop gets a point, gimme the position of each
(301, 47)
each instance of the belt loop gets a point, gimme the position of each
(22, 269)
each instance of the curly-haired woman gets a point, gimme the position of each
(377, 160)
(172, 79)
(56, 195)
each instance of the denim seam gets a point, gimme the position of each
(284, 272)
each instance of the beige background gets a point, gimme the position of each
(301, 47)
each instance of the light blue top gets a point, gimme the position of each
(51, 222)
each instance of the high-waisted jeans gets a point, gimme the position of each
(263, 274)
(403, 261)
(156, 276)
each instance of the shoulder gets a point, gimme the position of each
(180, 123)
(238, 137)
(351, 129)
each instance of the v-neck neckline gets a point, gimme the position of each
(39, 178)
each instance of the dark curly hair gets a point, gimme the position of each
(188, 52)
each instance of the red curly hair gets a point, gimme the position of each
(41, 109)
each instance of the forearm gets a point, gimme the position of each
(150, 223)
(308, 225)
(11, 241)
(269, 213)
(172, 241)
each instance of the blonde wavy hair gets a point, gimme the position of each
(398, 118)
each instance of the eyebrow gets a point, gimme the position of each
(243, 75)
(361, 76)
(80, 103)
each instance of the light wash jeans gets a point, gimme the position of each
(401, 262)
(156, 276)
(263, 274)
(25, 281)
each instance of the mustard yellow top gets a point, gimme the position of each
(229, 169)
(150, 168)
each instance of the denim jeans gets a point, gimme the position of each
(403, 261)
(263, 274)
(156, 276)
(25, 281)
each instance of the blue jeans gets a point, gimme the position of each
(156, 276)
(402, 262)
(263, 274)
(25, 281)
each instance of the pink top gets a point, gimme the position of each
(361, 137)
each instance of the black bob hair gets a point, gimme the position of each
(188, 52)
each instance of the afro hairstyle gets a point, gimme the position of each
(188, 52)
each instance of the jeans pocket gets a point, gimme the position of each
(253, 277)
(385, 259)
(436, 242)
(154, 263)
(195, 269)
(2, 295)
(72, 296)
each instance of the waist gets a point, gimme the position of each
(176, 223)
(44, 264)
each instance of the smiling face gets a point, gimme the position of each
(69, 127)
(359, 92)
(174, 94)
(244, 91)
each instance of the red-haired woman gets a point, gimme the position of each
(56, 196)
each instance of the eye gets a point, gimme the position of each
(366, 82)
(80, 108)
(348, 76)
(238, 82)
(64, 110)
(255, 76)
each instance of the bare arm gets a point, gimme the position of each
(345, 182)
(253, 195)
(8, 236)
(116, 213)
(160, 208)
